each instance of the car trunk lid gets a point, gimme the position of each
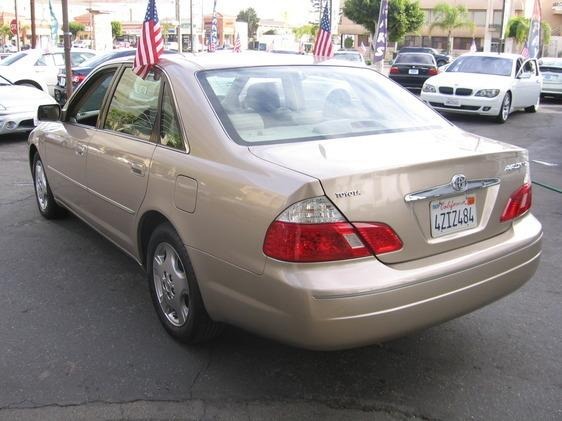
(370, 178)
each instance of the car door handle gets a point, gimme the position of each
(80, 149)
(137, 168)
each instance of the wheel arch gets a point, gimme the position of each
(32, 152)
(29, 81)
(147, 224)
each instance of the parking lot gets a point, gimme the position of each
(79, 337)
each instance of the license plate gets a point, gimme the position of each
(413, 72)
(453, 102)
(453, 214)
(550, 77)
(62, 81)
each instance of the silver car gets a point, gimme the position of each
(321, 205)
(551, 70)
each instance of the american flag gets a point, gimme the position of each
(237, 45)
(150, 44)
(323, 44)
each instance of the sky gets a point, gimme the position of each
(295, 12)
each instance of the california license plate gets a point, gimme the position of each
(453, 102)
(413, 72)
(453, 214)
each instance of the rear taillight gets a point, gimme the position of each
(519, 203)
(313, 230)
(79, 78)
(394, 70)
(432, 71)
(380, 237)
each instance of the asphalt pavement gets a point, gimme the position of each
(79, 338)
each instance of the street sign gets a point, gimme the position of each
(14, 26)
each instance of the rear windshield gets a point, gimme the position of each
(299, 103)
(553, 66)
(412, 58)
(347, 56)
(482, 64)
(12, 59)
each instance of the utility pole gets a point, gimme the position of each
(66, 37)
(178, 30)
(17, 25)
(191, 25)
(33, 34)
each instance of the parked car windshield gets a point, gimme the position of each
(482, 64)
(348, 56)
(414, 58)
(299, 103)
(12, 58)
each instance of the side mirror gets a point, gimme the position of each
(49, 112)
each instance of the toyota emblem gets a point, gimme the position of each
(458, 182)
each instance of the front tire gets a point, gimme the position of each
(505, 109)
(174, 289)
(46, 203)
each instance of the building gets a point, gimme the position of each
(462, 37)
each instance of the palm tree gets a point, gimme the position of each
(5, 32)
(449, 18)
(518, 28)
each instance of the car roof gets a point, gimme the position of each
(208, 61)
(490, 54)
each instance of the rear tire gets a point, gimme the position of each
(505, 109)
(46, 203)
(174, 289)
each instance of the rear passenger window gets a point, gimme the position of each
(170, 131)
(134, 106)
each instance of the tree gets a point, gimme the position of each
(166, 26)
(116, 29)
(305, 30)
(249, 15)
(5, 32)
(518, 28)
(448, 18)
(75, 27)
(403, 16)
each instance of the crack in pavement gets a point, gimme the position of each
(17, 200)
(203, 370)
(344, 404)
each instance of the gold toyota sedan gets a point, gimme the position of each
(318, 204)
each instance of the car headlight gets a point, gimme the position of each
(428, 88)
(488, 93)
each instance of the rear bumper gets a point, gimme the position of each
(355, 303)
(410, 82)
(551, 88)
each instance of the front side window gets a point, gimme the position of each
(59, 59)
(170, 132)
(86, 109)
(299, 103)
(134, 106)
(530, 67)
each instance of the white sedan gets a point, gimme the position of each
(39, 68)
(18, 106)
(487, 84)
